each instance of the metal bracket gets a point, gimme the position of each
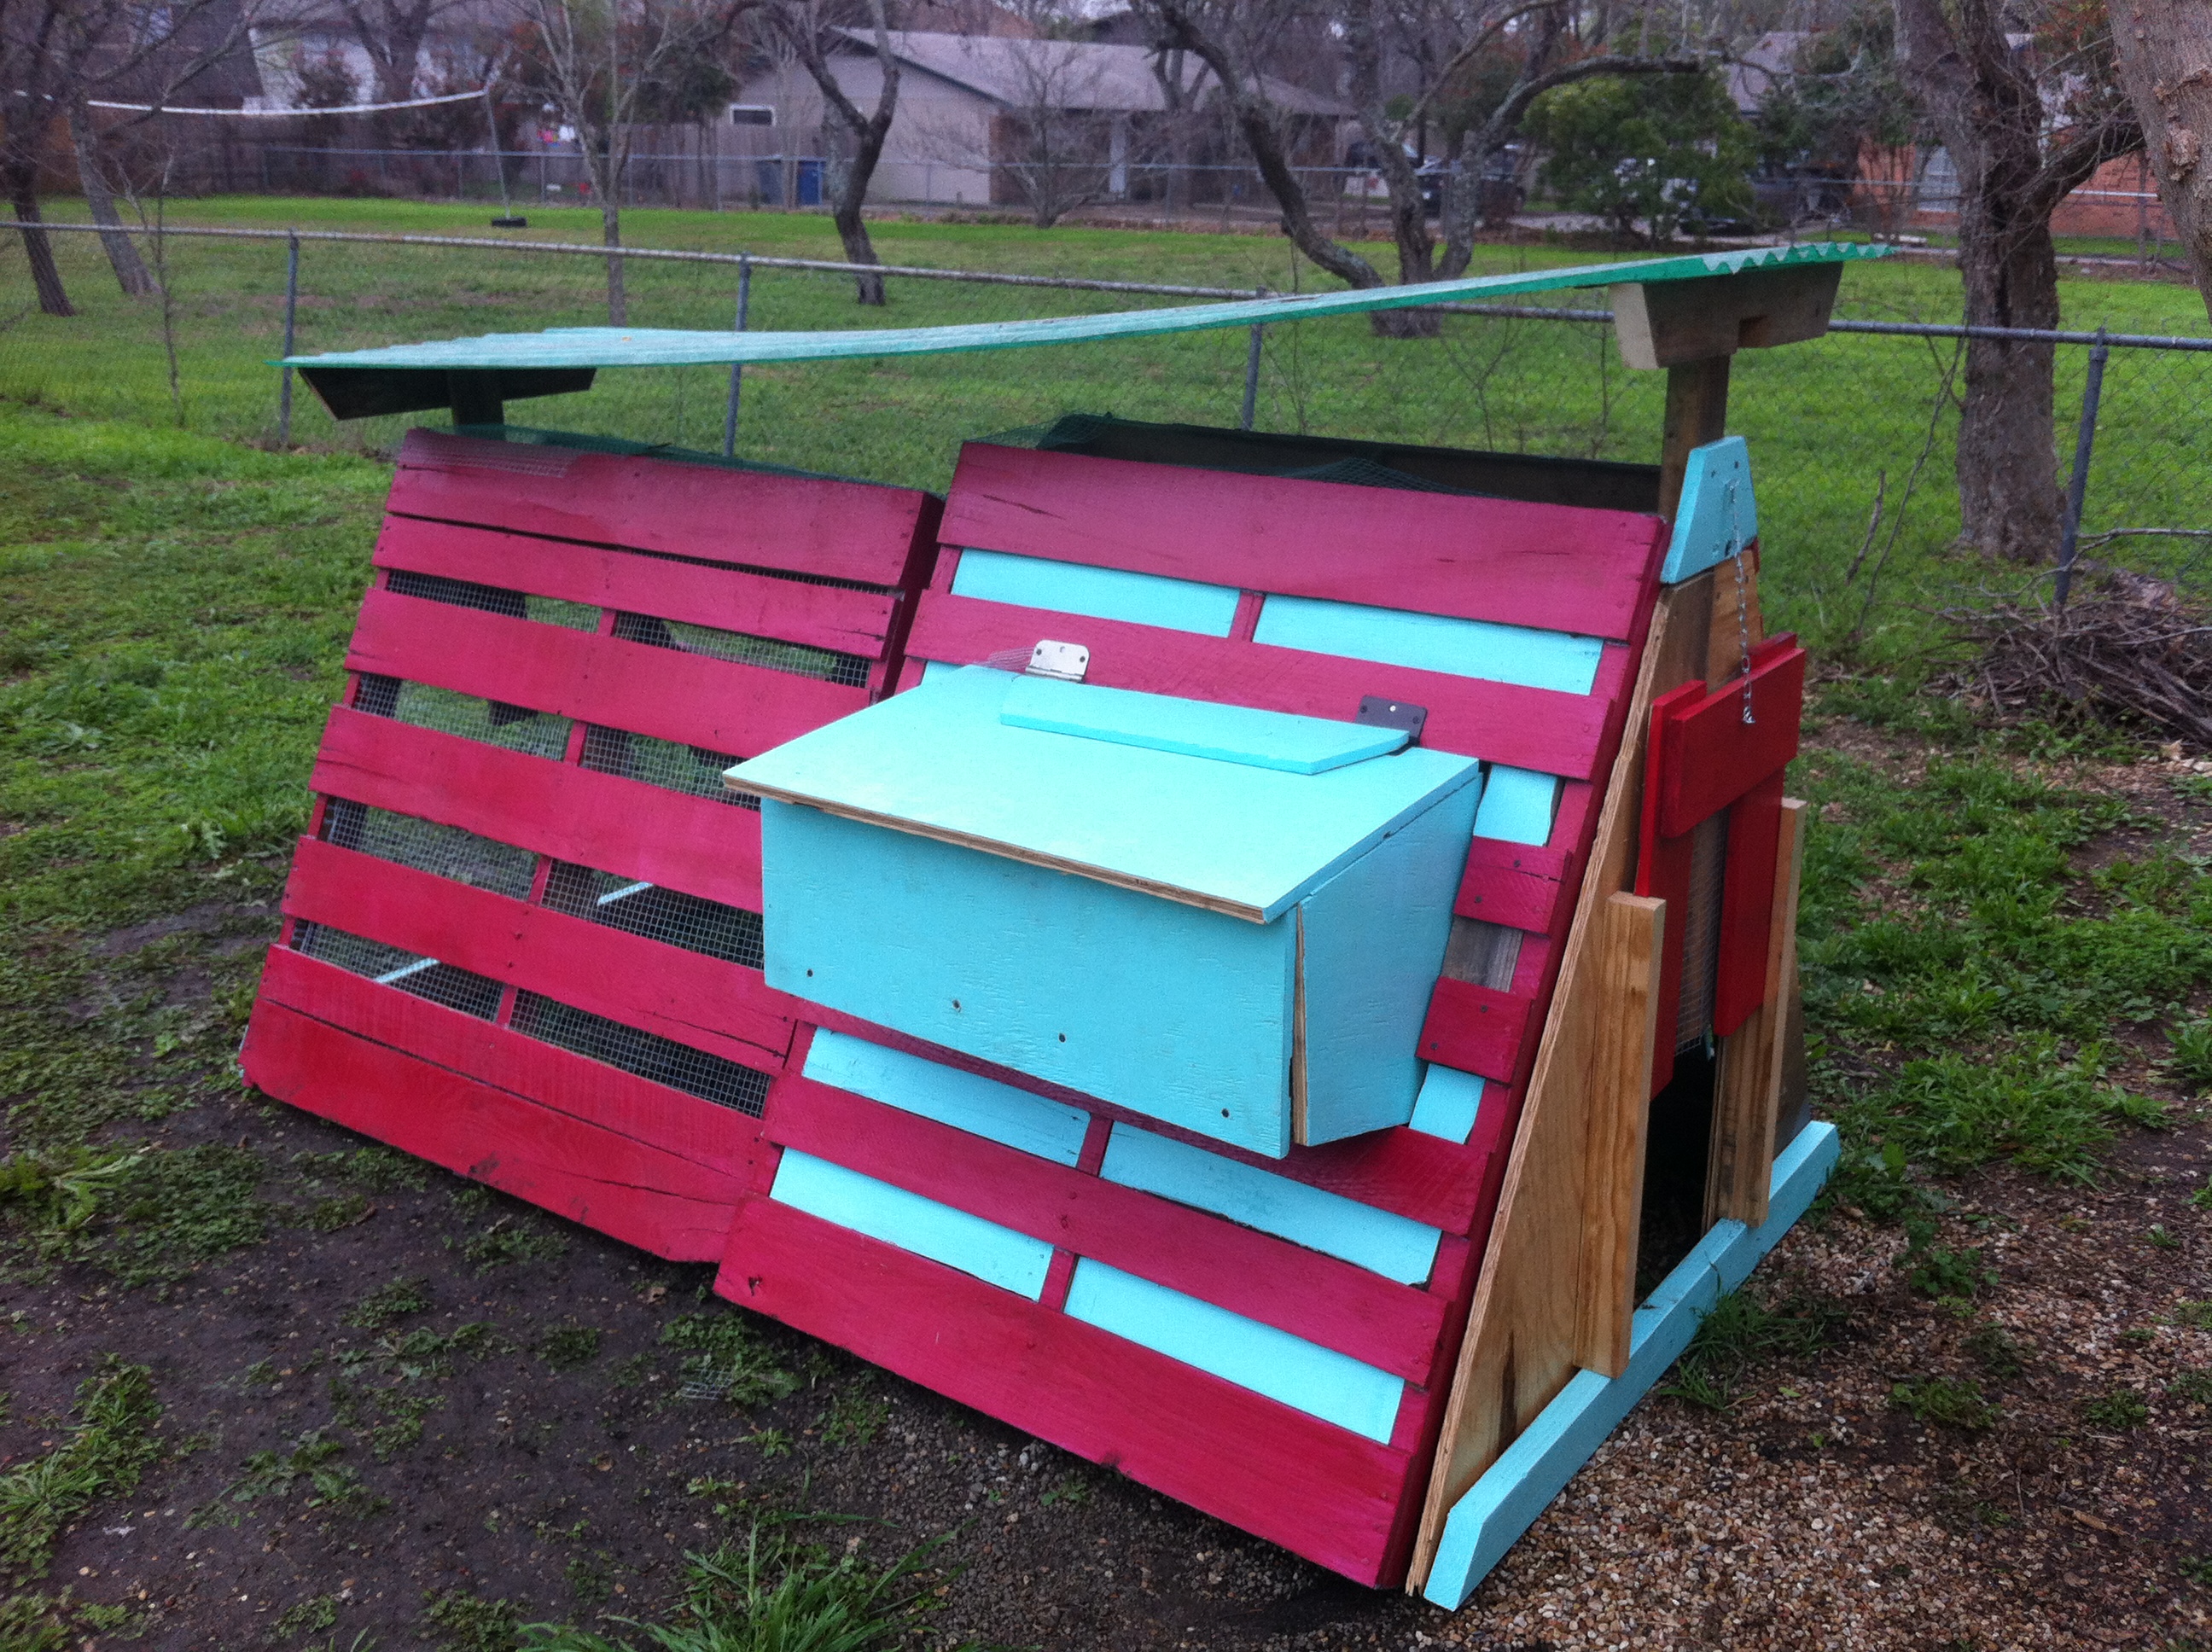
(1066, 662)
(1379, 711)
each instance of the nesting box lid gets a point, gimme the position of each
(1241, 811)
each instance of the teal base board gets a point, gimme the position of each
(1536, 1468)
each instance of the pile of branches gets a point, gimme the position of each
(2127, 650)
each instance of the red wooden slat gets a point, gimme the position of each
(693, 844)
(618, 1186)
(1560, 567)
(1290, 1479)
(820, 616)
(663, 692)
(722, 1008)
(1475, 1030)
(1516, 885)
(1709, 756)
(1320, 1298)
(1540, 729)
(717, 1141)
(1754, 841)
(1420, 1177)
(847, 530)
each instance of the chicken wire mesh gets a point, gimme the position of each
(647, 1055)
(390, 966)
(801, 660)
(692, 769)
(730, 933)
(425, 845)
(492, 599)
(514, 728)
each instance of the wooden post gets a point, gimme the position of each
(474, 398)
(1618, 1110)
(1697, 413)
(1748, 1092)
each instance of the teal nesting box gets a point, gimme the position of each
(1228, 920)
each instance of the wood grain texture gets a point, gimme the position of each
(1746, 914)
(849, 530)
(1316, 1297)
(1291, 1479)
(1519, 1349)
(697, 845)
(1502, 722)
(728, 599)
(1737, 617)
(724, 1009)
(1555, 568)
(1747, 1100)
(1520, 885)
(1475, 1030)
(1709, 756)
(692, 699)
(1697, 413)
(1616, 1108)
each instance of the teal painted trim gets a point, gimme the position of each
(983, 1107)
(1430, 642)
(999, 1256)
(1102, 592)
(1517, 804)
(1719, 515)
(1536, 1468)
(1447, 1104)
(1194, 728)
(635, 347)
(935, 671)
(1317, 1381)
(1378, 1241)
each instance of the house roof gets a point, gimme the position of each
(1067, 74)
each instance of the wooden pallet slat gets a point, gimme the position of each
(1477, 1029)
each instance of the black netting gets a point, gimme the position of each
(728, 933)
(662, 1061)
(444, 851)
(493, 600)
(825, 664)
(389, 966)
(516, 728)
(687, 768)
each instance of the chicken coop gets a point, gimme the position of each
(1218, 949)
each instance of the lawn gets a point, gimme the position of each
(269, 1386)
(1833, 425)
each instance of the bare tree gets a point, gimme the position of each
(2025, 126)
(810, 27)
(391, 34)
(2165, 48)
(131, 271)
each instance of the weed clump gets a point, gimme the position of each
(1741, 1332)
(107, 1450)
(726, 1360)
(1945, 1402)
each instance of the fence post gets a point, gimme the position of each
(737, 368)
(1252, 374)
(291, 315)
(2077, 486)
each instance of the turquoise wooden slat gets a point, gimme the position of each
(1379, 1241)
(1719, 515)
(1248, 841)
(1317, 1381)
(1447, 1104)
(1373, 955)
(1102, 592)
(1430, 642)
(1194, 728)
(1178, 1013)
(610, 347)
(1517, 804)
(999, 1256)
(981, 1106)
(1536, 1468)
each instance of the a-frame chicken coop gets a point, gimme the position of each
(1182, 944)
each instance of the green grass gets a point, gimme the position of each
(1828, 422)
(1741, 1332)
(110, 1444)
(1945, 1401)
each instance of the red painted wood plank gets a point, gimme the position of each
(1540, 729)
(711, 1143)
(849, 530)
(1423, 1178)
(1513, 883)
(724, 1009)
(1560, 567)
(1709, 756)
(712, 703)
(693, 844)
(1476, 1029)
(729, 599)
(587, 1175)
(1320, 1298)
(1290, 1479)
(1754, 842)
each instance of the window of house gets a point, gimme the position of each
(752, 114)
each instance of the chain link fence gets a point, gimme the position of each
(1852, 436)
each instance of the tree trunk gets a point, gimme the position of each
(852, 229)
(610, 235)
(38, 247)
(2166, 67)
(131, 273)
